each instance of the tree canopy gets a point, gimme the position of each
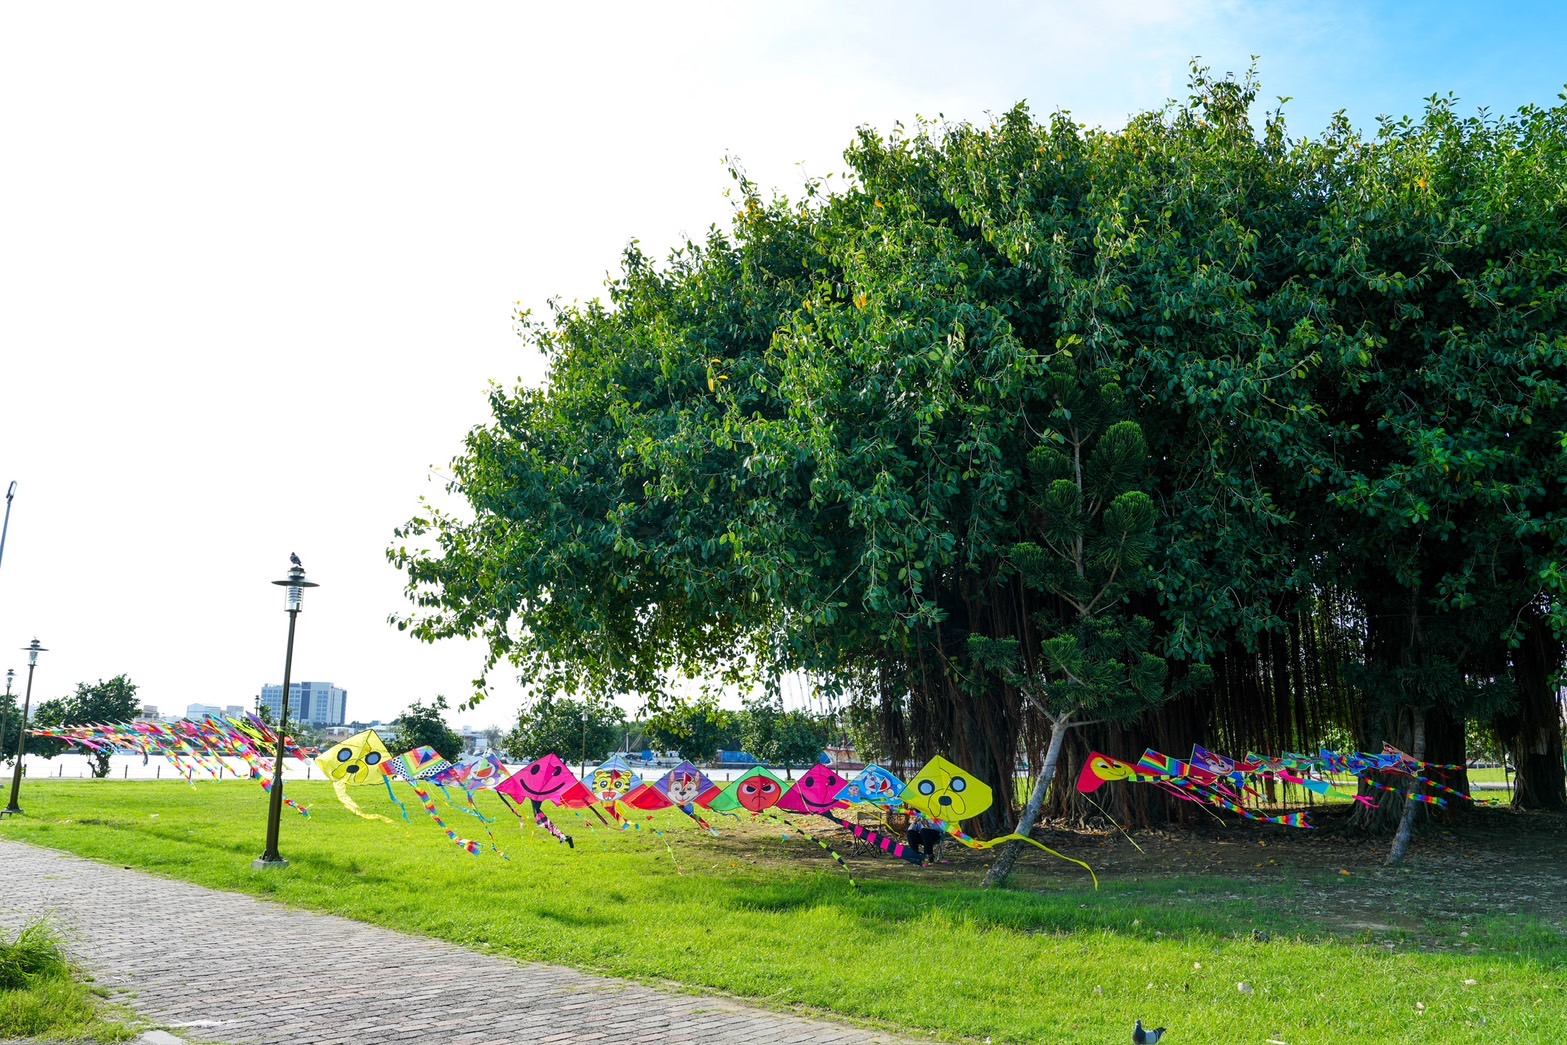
(570, 728)
(1324, 379)
(424, 725)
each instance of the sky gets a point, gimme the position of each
(259, 262)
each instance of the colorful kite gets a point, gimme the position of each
(756, 791)
(1214, 779)
(545, 779)
(946, 795)
(356, 760)
(685, 787)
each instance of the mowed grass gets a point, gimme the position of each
(772, 919)
(41, 997)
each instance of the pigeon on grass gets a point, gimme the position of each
(1146, 1037)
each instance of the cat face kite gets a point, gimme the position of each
(357, 760)
(942, 791)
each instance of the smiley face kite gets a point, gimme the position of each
(542, 780)
(816, 792)
(942, 791)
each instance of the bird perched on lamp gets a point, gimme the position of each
(294, 558)
(1146, 1037)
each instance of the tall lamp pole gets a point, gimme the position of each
(32, 649)
(584, 740)
(10, 492)
(5, 709)
(296, 584)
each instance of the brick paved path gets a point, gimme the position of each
(212, 965)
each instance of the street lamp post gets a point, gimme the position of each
(32, 649)
(584, 741)
(296, 584)
(5, 709)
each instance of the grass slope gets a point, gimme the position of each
(766, 917)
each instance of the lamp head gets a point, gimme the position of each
(296, 584)
(32, 650)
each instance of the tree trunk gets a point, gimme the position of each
(1002, 868)
(1406, 823)
(1533, 734)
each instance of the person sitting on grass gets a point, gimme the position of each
(924, 837)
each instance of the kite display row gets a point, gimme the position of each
(190, 746)
(941, 793)
(1228, 783)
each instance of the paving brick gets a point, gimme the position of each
(193, 955)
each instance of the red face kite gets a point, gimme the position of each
(758, 793)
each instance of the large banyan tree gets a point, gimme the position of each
(1188, 431)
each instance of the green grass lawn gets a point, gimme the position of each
(41, 996)
(754, 914)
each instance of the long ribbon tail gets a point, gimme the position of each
(393, 796)
(883, 842)
(827, 848)
(472, 848)
(690, 810)
(341, 788)
(486, 821)
(974, 843)
(472, 809)
(599, 815)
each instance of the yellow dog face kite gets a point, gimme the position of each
(356, 760)
(942, 791)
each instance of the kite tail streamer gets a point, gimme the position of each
(1449, 790)
(974, 843)
(472, 848)
(886, 844)
(691, 812)
(487, 822)
(827, 848)
(667, 847)
(545, 822)
(472, 809)
(266, 785)
(522, 825)
(1110, 818)
(341, 788)
(393, 796)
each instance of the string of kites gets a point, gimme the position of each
(941, 793)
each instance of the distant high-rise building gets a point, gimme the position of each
(314, 703)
